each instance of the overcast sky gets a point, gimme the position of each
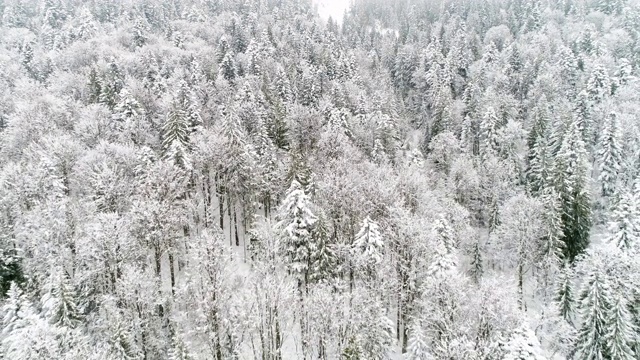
(333, 8)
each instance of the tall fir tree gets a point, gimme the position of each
(621, 333)
(594, 307)
(609, 155)
(296, 224)
(571, 180)
(182, 120)
(60, 301)
(624, 225)
(564, 294)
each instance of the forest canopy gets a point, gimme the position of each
(222, 179)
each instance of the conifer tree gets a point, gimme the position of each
(476, 270)
(595, 304)
(368, 244)
(228, 67)
(444, 261)
(609, 155)
(60, 302)
(488, 129)
(95, 87)
(621, 333)
(552, 245)
(139, 37)
(523, 345)
(296, 224)
(564, 294)
(112, 84)
(571, 178)
(127, 107)
(182, 120)
(179, 350)
(321, 255)
(624, 227)
(598, 85)
(418, 348)
(13, 309)
(283, 86)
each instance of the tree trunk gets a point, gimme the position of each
(235, 224)
(520, 286)
(278, 338)
(221, 205)
(173, 274)
(229, 206)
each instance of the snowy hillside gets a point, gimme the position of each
(223, 179)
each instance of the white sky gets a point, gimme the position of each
(333, 8)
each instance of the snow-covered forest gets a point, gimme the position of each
(228, 179)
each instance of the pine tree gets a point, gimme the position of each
(488, 129)
(476, 270)
(583, 117)
(60, 301)
(444, 261)
(571, 173)
(283, 86)
(179, 350)
(296, 224)
(95, 87)
(417, 348)
(122, 346)
(598, 85)
(563, 297)
(321, 255)
(609, 155)
(13, 309)
(594, 307)
(228, 67)
(127, 107)
(112, 84)
(621, 333)
(523, 345)
(624, 227)
(552, 245)
(139, 28)
(368, 244)
(182, 120)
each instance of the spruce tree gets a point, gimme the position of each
(112, 84)
(368, 244)
(598, 85)
(444, 260)
(417, 348)
(523, 345)
(621, 333)
(182, 120)
(296, 224)
(564, 294)
(488, 129)
(60, 303)
(595, 305)
(139, 28)
(321, 255)
(571, 178)
(228, 67)
(95, 87)
(609, 155)
(624, 226)
(476, 270)
(13, 309)
(540, 165)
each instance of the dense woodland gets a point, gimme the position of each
(222, 179)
